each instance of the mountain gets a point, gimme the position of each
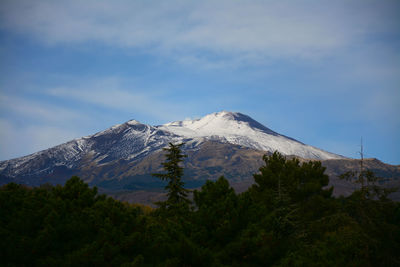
(124, 156)
(239, 129)
(133, 140)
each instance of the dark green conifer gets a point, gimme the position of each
(177, 194)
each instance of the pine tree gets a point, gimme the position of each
(177, 194)
(367, 180)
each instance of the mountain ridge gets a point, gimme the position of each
(134, 140)
(112, 156)
(121, 158)
(240, 129)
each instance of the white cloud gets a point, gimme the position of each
(38, 110)
(352, 41)
(20, 140)
(250, 29)
(27, 126)
(114, 93)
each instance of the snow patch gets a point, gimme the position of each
(134, 140)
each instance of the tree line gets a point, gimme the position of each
(287, 218)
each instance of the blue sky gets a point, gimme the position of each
(323, 72)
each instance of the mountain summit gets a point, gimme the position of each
(121, 159)
(239, 129)
(133, 141)
(221, 123)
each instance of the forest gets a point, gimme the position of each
(287, 218)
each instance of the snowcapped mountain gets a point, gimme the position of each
(121, 159)
(239, 129)
(133, 141)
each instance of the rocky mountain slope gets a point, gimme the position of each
(133, 141)
(238, 165)
(122, 158)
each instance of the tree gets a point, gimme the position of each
(217, 212)
(177, 194)
(287, 196)
(367, 180)
(281, 180)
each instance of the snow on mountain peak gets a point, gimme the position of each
(239, 129)
(222, 123)
(134, 140)
(133, 122)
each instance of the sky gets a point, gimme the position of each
(326, 73)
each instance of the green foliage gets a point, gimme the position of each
(281, 180)
(288, 218)
(64, 225)
(177, 194)
(368, 184)
(217, 212)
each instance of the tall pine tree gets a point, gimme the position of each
(177, 194)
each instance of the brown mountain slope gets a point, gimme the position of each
(132, 180)
(236, 163)
(389, 174)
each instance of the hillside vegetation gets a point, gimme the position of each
(287, 218)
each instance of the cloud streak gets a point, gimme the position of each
(17, 140)
(251, 30)
(37, 110)
(27, 126)
(117, 94)
(336, 61)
